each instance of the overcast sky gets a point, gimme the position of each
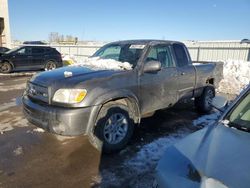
(108, 20)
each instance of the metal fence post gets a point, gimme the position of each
(198, 53)
(77, 50)
(248, 57)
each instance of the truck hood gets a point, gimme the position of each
(216, 152)
(69, 76)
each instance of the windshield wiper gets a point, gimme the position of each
(238, 126)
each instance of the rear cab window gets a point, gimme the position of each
(182, 58)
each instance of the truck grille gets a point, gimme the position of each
(38, 92)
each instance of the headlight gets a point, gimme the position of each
(70, 96)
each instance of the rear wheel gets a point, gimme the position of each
(113, 129)
(204, 102)
(5, 67)
(50, 65)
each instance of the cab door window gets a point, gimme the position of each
(162, 54)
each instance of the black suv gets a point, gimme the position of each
(30, 58)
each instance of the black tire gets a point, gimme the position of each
(101, 135)
(50, 65)
(5, 67)
(204, 102)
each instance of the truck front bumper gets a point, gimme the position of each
(59, 120)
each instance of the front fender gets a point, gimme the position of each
(116, 94)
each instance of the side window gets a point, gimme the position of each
(24, 51)
(152, 55)
(112, 52)
(47, 50)
(180, 54)
(37, 50)
(162, 54)
(21, 51)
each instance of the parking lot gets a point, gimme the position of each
(55, 161)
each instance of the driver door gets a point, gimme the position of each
(22, 58)
(158, 90)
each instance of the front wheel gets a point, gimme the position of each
(113, 129)
(5, 67)
(50, 65)
(204, 102)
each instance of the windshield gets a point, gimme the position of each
(130, 53)
(12, 50)
(239, 117)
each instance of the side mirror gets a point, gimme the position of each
(152, 66)
(219, 102)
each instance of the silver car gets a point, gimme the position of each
(216, 157)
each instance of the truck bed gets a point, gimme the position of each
(206, 69)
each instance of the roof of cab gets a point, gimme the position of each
(145, 42)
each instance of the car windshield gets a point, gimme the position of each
(130, 53)
(239, 117)
(12, 50)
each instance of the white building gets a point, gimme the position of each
(5, 39)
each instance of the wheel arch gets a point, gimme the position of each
(123, 97)
(120, 97)
(8, 61)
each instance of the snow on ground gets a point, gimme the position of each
(18, 151)
(8, 105)
(207, 120)
(39, 130)
(236, 76)
(12, 87)
(16, 74)
(140, 168)
(10, 120)
(150, 153)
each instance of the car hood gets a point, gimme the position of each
(69, 76)
(216, 152)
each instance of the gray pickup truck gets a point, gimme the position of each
(106, 104)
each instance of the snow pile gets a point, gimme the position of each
(68, 58)
(236, 76)
(138, 170)
(207, 120)
(39, 130)
(103, 64)
(149, 155)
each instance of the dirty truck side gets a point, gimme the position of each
(107, 104)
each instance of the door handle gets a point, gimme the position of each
(29, 56)
(183, 73)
